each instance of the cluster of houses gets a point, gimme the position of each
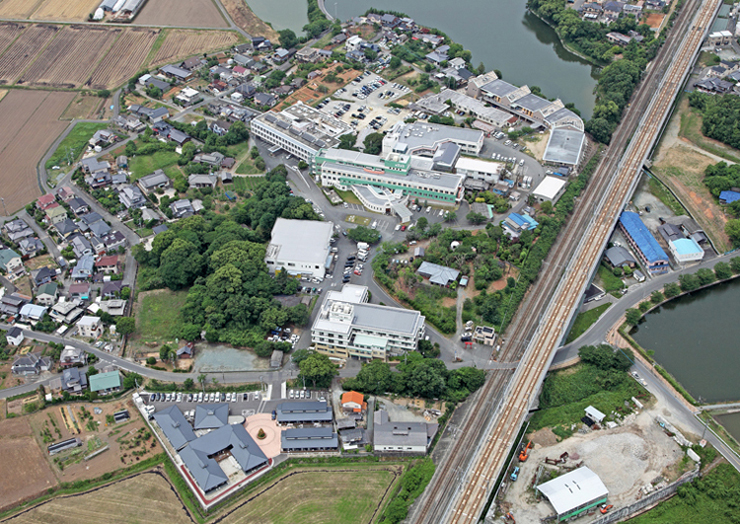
(720, 79)
(608, 12)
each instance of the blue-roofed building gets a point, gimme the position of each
(515, 224)
(728, 197)
(643, 243)
(686, 250)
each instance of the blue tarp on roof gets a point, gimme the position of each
(524, 221)
(643, 238)
(728, 197)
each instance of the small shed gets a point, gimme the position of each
(276, 359)
(594, 414)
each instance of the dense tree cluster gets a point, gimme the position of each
(721, 116)
(417, 376)
(221, 259)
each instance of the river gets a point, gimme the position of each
(695, 338)
(500, 33)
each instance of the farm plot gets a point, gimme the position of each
(8, 32)
(65, 10)
(71, 60)
(18, 8)
(22, 52)
(124, 59)
(24, 471)
(146, 498)
(181, 13)
(30, 126)
(183, 43)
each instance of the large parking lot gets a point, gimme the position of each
(244, 404)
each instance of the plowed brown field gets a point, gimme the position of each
(181, 43)
(28, 474)
(8, 32)
(30, 126)
(245, 18)
(66, 10)
(24, 50)
(181, 13)
(124, 59)
(69, 62)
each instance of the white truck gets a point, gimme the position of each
(363, 246)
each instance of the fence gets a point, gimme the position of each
(618, 514)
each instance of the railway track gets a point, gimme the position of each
(460, 488)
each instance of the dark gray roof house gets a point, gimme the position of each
(618, 256)
(175, 427)
(30, 364)
(211, 416)
(303, 412)
(308, 439)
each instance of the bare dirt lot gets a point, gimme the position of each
(145, 498)
(24, 471)
(9, 31)
(626, 459)
(181, 43)
(82, 107)
(181, 13)
(23, 50)
(64, 10)
(71, 60)
(244, 18)
(18, 8)
(31, 124)
(124, 59)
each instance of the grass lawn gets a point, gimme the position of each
(247, 167)
(566, 393)
(140, 166)
(74, 144)
(348, 196)
(345, 496)
(585, 320)
(704, 501)
(157, 313)
(246, 183)
(661, 192)
(611, 282)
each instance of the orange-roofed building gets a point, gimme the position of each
(354, 401)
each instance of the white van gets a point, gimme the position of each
(429, 209)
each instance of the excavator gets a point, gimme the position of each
(510, 517)
(604, 508)
(524, 454)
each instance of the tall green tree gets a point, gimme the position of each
(317, 370)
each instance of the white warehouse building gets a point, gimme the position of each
(347, 326)
(686, 250)
(550, 189)
(300, 247)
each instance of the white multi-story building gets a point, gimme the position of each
(425, 139)
(397, 172)
(300, 130)
(347, 326)
(300, 247)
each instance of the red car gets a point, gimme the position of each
(403, 228)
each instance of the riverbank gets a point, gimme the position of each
(566, 45)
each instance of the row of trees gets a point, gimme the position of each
(686, 283)
(417, 376)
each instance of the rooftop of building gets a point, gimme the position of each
(574, 489)
(641, 235)
(300, 240)
(564, 146)
(307, 125)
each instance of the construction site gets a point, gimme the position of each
(628, 460)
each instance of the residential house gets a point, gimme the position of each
(81, 246)
(388, 20)
(78, 206)
(92, 165)
(198, 181)
(338, 39)
(113, 241)
(617, 256)
(114, 307)
(30, 364)
(176, 73)
(356, 56)
(182, 208)
(79, 291)
(11, 304)
(66, 312)
(188, 95)
(43, 275)
(16, 230)
(178, 136)
(73, 382)
(282, 90)
(401, 437)
(308, 55)
(243, 60)
(154, 181)
(30, 247)
(353, 43)
(11, 262)
(122, 162)
(191, 64)
(246, 90)
(72, 356)
(111, 289)
(14, 336)
(281, 55)
(46, 294)
(220, 127)
(297, 82)
(55, 213)
(65, 193)
(32, 313)
(156, 82)
(90, 327)
(46, 201)
(354, 401)
(84, 268)
(108, 264)
(714, 86)
(264, 100)
(240, 72)
(159, 114)
(440, 275)
(106, 383)
(186, 350)
(131, 197)
(102, 137)
(612, 10)
(99, 229)
(66, 228)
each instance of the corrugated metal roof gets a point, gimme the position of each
(573, 489)
(645, 241)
